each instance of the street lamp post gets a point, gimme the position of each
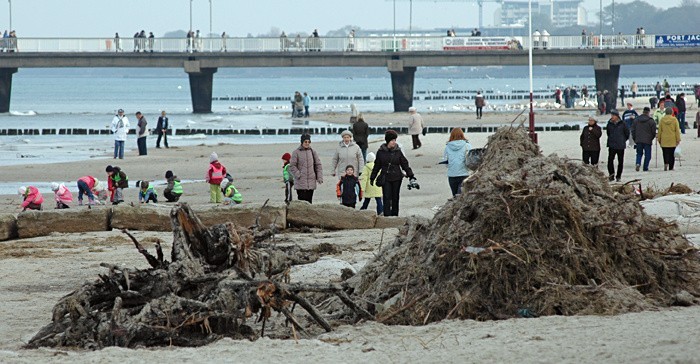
(190, 15)
(10, 2)
(393, 45)
(531, 132)
(211, 48)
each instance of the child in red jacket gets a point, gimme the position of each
(215, 174)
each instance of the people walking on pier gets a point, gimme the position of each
(307, 169)
(284, 42)
(224, 36)
(658, 90)
(479, 103)
(197, 42)
(162, 130)
(643, 133)
(117, 43)
(136, 42)
(584, 39)
(618, 133)
(415, 126)
(142, 133)
(120, 127)
(351, 41)
(590, 142)
(190, 41)
(142, 40)
(307, 103)
(151, 39)
(669, 138)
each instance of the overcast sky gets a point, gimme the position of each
(102, 18)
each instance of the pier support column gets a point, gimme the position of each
(6, 88)
(401, 84)
(201, 86)
(606, 77)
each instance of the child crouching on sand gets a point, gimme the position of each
(348, 188)
(146, 192)
(31, 198)
(118, 182)
(173, 190)
(62, 195)
(231, 194)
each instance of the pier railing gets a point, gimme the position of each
(390, 43)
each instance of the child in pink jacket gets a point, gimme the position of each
(62, 195)
(32, 198)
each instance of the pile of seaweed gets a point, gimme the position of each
(531, 235)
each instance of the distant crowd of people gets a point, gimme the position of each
(9, 41)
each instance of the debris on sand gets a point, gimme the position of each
(531, 235)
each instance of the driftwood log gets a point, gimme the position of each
(217, 279)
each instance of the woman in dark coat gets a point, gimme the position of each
(590, 142)
(390, 161)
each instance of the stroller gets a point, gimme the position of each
(298, 109)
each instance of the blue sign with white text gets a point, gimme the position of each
(677, 40)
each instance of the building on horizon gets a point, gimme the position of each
(561, 13)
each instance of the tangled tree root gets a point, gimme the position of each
(531, 235)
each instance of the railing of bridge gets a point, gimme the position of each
(398, 43)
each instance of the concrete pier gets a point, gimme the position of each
(401, 84)
(201, 86)
(606, 77)
(6, 88)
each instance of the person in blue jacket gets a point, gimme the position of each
(455, 156)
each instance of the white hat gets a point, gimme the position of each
(224, 183)
(410, 109)
(22, 190)
(54, 186)
(213, 157)
(371, 157)
(346, 132)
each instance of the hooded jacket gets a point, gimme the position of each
(348, 155)
(644, 129)
(669, 132)
(590, 139)
(32, 195)
(306, 168)
(215, 173)
(369, 189)
(455, 154)
(618, 133)
(63, 194)
(360, 131)
(390, 162)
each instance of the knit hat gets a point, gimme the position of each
(213, 157)
(390, 135)
(615, 112)
(411, 109)
(168, 174)
(54, 186)
(305, 137)
(371, 157)
(346, 132)
(646, 109)
(109, 169)
(22, 190)
(286, 157)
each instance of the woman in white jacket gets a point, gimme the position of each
(120, 127)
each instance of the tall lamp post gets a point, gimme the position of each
(10, 2)
(393, 45)
(211, 48)
(190, 15)
(531, 132)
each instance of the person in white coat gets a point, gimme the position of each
(120, 127)
(348, 153)
(415, 127)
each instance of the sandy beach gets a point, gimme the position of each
(36, 272)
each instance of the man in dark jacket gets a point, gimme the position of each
(360, 131)
(643, 134)
(390, 161)
(162, 130)
(617, 137)
(590, 142)
(607, 97)
(680, 104)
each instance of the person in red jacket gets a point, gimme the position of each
(31, 198)
(85, 186)
(215, 174)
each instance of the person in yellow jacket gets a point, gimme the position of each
(369, 189)
(669, 138)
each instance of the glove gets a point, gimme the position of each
(412, 179)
